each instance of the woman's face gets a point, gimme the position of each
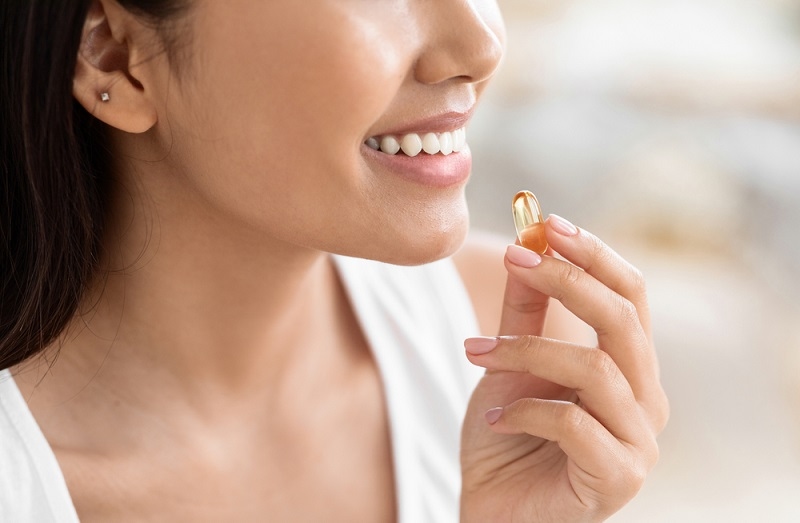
(268, 124)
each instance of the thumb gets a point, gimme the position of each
(524, 308)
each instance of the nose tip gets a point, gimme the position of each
(467, 42)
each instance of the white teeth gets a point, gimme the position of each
(459, 140)
(390, 145)
(412, 144)
(430, 143)
(446, 143)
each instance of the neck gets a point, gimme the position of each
(207, 306)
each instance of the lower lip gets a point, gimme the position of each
(432, 170)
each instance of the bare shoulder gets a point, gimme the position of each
(480, 264)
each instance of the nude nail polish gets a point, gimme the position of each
(562, 226)
(522, 256)
(492, 415)
(478, 346)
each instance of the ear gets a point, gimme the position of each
(104, 84)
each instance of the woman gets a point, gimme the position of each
(221, 294)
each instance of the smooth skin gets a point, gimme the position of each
(573, 427)
(191, 388)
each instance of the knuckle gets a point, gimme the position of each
(571, 420)
(570, 276)
(627, 312)
(630, 478)
(517, 414)
(600, 365)
(637, 286)
(636, 478)
(598, 250)
(652, 455)
(526, 307)
(647, 454)
(528, 346)
(638, 281)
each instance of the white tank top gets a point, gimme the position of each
(415, 320)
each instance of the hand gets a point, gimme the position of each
(555, 431)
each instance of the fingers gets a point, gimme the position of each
(607, 437)
(608, 295)
(586, 251)
(609, 314)
(524, 311)
(605, 461)
(602, 389)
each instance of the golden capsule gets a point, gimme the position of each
(529, 222)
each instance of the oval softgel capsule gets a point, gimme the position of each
(529, 222)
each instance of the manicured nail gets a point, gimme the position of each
(522, 256)
(562, 226)
(492, 415)
(481, 345)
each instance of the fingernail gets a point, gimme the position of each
(562, 226)
(492, 415)
(480, 345)
(522, 256)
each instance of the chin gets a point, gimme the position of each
(419, 231)
(429, 236)
(425, 245)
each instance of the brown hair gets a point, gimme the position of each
(54, 173)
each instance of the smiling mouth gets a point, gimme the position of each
(413, 144)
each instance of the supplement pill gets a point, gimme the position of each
(529, 222)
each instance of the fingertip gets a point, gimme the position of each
(522, 257)
(480, 345)
(562, 226)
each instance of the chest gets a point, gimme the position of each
(334, 466)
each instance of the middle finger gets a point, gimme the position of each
(614, 318)
(602, 389)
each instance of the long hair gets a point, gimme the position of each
(54, 171)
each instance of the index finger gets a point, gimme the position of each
(587, 251)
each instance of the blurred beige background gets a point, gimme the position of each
(671, 128)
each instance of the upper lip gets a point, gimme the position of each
(440, 123)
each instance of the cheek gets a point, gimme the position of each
(285, 105)
(277, 141)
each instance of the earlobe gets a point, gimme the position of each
(103, 83)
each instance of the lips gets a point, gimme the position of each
(432, 152)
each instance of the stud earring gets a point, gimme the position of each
(104, 97)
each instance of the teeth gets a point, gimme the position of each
(446, 143)
(459, 140)
(390, 145)
(413, 144)
(430, 143)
